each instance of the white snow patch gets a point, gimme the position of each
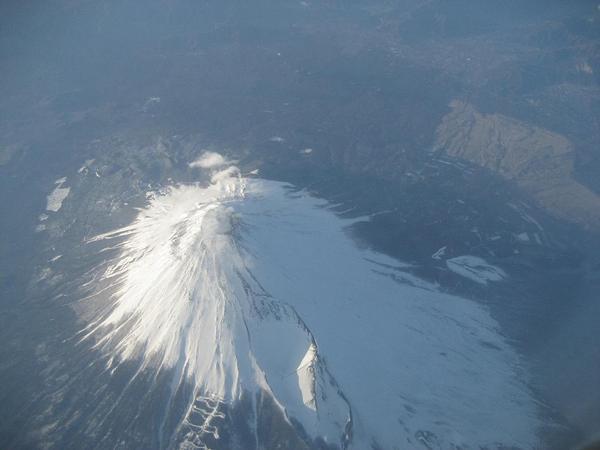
(305, 373)
(84, 169)
(439, 253)
(56, 198)
(585, 68)
(44, 274)
(149, 102)
(475, 269)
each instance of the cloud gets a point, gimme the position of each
(230, 172)
(209, 160)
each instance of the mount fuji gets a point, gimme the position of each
(254, 293)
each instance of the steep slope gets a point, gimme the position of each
(246, 286)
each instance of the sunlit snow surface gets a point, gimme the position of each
(56, 198)
(248, 284)
(475, 269)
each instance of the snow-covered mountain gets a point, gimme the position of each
(247, 289)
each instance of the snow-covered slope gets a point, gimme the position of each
(247, 285)
(475, 269)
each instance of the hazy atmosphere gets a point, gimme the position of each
(313, 225)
